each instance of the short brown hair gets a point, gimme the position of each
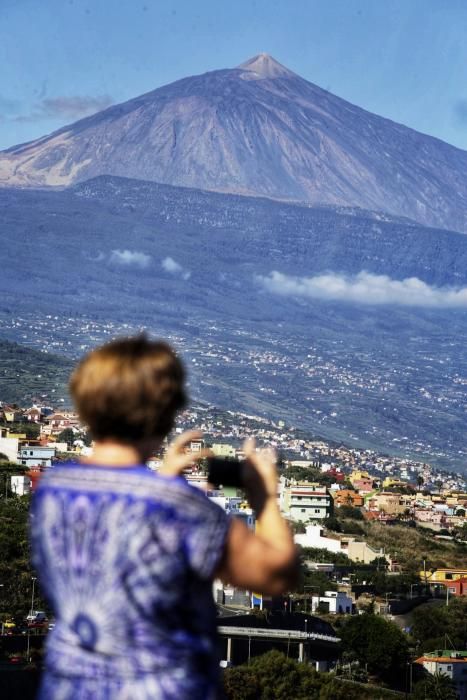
(129, 389)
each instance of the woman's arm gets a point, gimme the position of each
(265, 561)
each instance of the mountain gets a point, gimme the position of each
(114, 255)
(258, 129)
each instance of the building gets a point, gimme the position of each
(450, 662)
(36, 456)
(9, 445)
(20, 485)
(458, 587)
(442, 577)
(333, 602)
(224, 449)
(305, 502)
(353, 548)
(347, 497)
(314, 537)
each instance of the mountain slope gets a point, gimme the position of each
(112, 256)
(28, 375)
(258, 129)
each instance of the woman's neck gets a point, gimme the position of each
(116, 454)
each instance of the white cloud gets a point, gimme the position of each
(174, 268)
(170, 265)
(365, 288)
(129, 257)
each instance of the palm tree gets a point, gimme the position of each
(438, 686)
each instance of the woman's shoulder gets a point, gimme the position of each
(138, 482)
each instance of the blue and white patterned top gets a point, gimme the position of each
(126, 559)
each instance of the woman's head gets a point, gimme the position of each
(129, 390)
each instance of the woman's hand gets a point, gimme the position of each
(177, 459)
(260, 474)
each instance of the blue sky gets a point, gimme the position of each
(62, 59)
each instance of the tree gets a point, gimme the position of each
(272, 676)
(437, 686)
(349, 511)
(241, 684)
(377, 643)
(420, 481)
(67, 435)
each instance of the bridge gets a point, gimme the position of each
(273, 634)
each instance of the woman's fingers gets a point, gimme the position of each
(181, 441)
(177, 459)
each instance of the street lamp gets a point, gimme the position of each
(33, 578)
(3, 623)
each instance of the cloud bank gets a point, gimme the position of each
(71, 107)
(174, 268)
(365, 288)
(129, 257)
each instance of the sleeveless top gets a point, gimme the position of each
(126, 559)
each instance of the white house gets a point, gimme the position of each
(450, 662)
(304, 502)
(334, 602)
(36, 456)
(314, 537)
(20, 485)
(355, 550)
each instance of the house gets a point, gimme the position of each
(36, 456)
(457, 587)
(442, 577)
(57, 422)
(10, 414)
(333, 602)
(359, 475)
(353, 548)
(9, 445)
(20, 485)
(392, 503)
(223, 449)
(347, 497)
(303, 502)
(314, 537)
(451, 663)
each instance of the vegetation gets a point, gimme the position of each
(410, 546)
(273, 676)
(436, 686)
(441, 626)
(31, 430)
(15, 569)
(27, 374)
(376, 644)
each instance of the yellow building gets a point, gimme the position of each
(390, 481)
(358, 474)
(443, 575)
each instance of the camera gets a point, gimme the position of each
(226, 472)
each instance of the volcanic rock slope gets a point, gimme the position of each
(258, 129)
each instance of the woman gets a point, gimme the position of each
(127, 557)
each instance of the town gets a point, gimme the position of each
(379, 533)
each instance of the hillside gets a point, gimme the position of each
(28, 375)
(258, 129)
(113, 255)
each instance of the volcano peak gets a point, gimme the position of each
(265, 66)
